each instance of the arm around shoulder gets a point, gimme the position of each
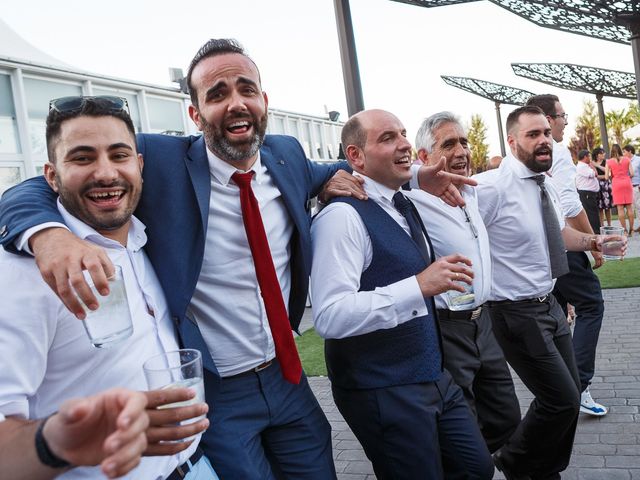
(28, 204)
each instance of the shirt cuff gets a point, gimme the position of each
(408, 299)
(22, 242)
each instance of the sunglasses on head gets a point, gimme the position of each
(76, 103)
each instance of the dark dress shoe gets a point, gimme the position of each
(506, 471)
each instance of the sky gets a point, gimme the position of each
(402, 50)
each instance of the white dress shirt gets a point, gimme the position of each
(227, 304)
(563, 177)
(510, 206)
(342, 251)
(586, 178)
(450, 233)
(47, 357)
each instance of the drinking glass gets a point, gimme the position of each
(177, 369)
(461, 300)
(612, 250)
(111, 323)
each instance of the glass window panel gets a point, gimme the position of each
(278, 125)
(9, 142)
(329, 139)
(134, 111)
(38, 94)
(293, 127)
(317, 130)
(9, 176)
(306, 138)
(165, 116)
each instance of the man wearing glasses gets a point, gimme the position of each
(580, 287)
(471, 353)
(46, 356)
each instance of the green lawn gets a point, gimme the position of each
(620, 274)
(613, 274)
(311, 348)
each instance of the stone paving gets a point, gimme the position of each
(605, 448)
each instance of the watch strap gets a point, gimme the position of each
(45, 455)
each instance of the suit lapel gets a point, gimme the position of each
(198, 168)
(281, 177)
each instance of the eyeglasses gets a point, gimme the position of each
(76, 103)
(564, 116)
(467, 218)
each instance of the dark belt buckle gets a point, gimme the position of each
(261, 367)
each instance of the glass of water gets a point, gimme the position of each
(177, 369)
(111, 322)
(461, 300)
(612, 250)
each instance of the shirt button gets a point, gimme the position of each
(414, 313)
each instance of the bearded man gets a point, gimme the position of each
(528, 239)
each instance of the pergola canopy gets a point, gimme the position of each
(597, 81)
(489, 90)
(607, 20)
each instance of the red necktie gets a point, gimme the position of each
(286, 351)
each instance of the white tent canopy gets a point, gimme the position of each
(633, 132)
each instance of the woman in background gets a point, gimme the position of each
(620, 171)
(604, 197)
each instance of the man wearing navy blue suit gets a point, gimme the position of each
(372, 285)
(262, 426)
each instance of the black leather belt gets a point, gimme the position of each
(459, 314)
(543, 299)
(257, 369)
(181, 470)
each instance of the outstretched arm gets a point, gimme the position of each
(107, 429)
(434, 180)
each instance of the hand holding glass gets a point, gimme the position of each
(111, 322)
(461, 300)
(613, 242)
(177, 369)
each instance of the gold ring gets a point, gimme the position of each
(456, 275)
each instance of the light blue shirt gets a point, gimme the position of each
(635, 164)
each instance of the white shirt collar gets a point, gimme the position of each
(136, 238)
(376, 190)
(222, 171)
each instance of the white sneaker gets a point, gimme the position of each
(591, 407)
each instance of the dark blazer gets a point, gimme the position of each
(175, 208)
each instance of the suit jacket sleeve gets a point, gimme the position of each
(322, 173)
(26, 205)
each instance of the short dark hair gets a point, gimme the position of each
(596, 151)
(91, 107)
(514, 117)
(583, 153)
(212, 48)
(629, 148)
(353, 133)
(546, 102)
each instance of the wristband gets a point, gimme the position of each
(45, 455)
(594, 243)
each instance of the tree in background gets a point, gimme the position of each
(587, 130)
(617, 122)
(477, 137)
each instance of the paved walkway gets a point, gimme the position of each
(606, 448)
